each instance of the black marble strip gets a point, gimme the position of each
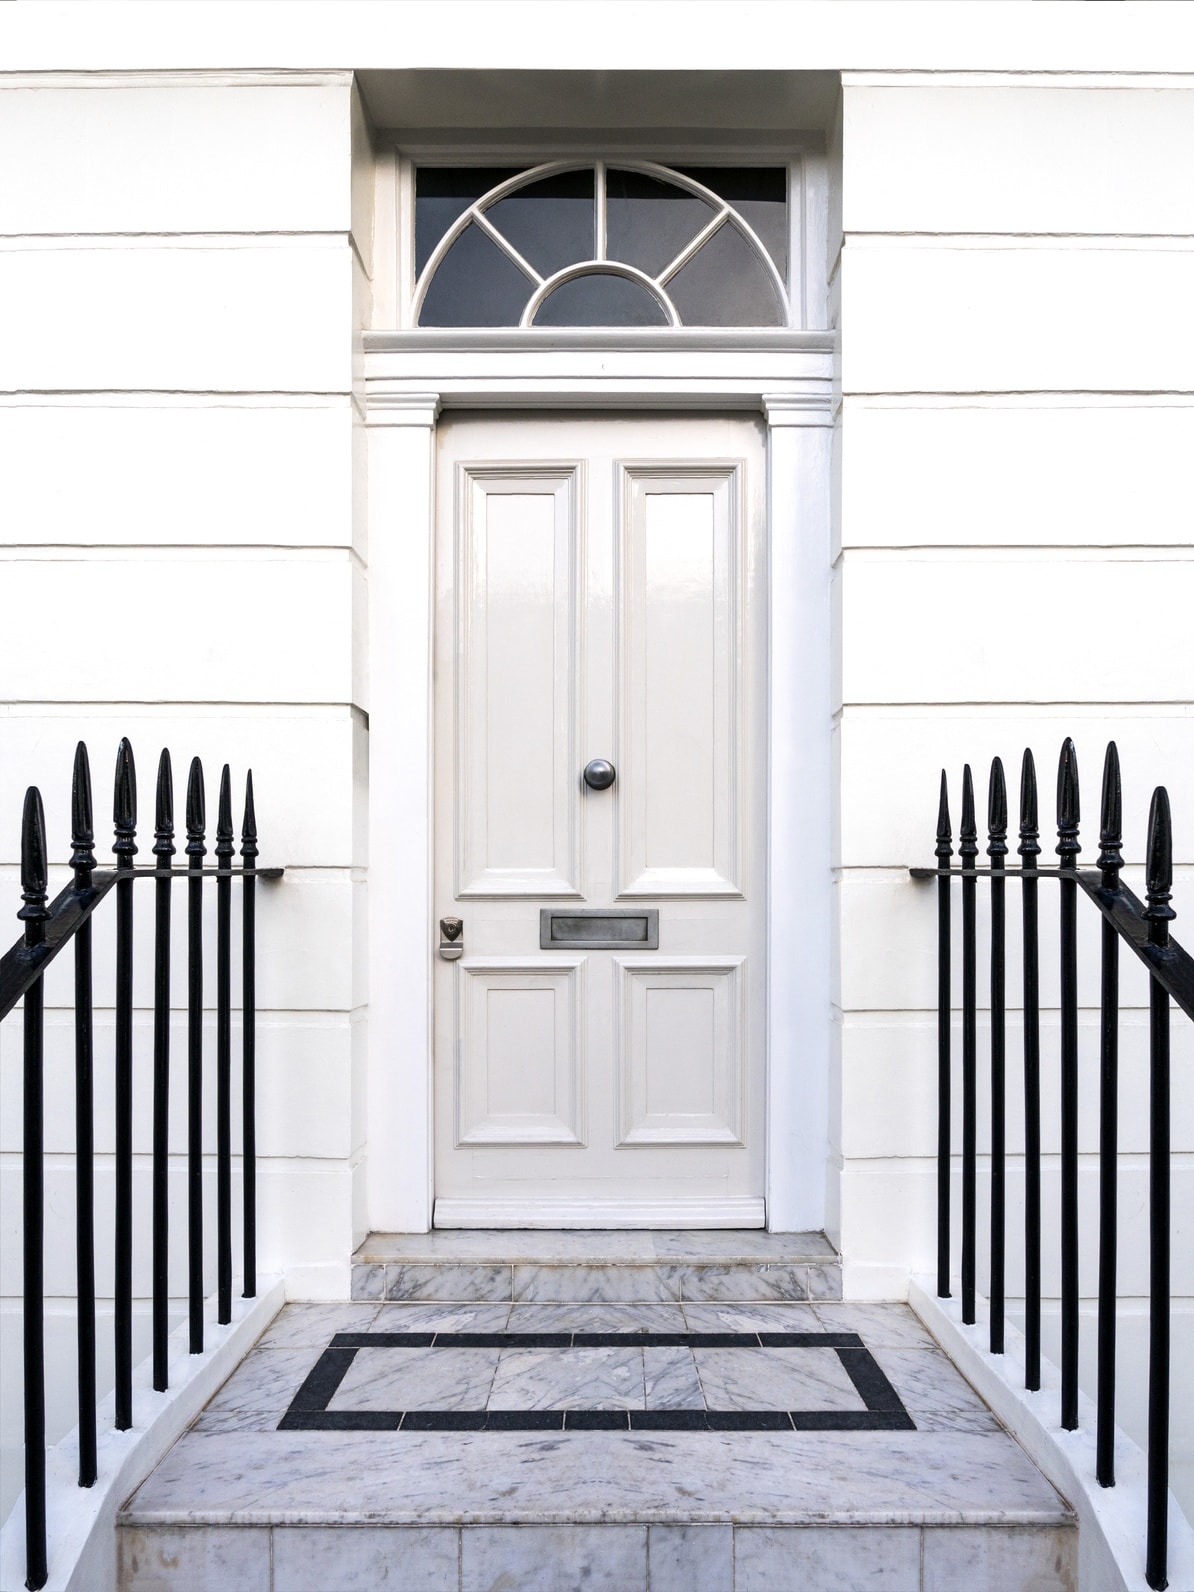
(853, 1421)
(324, 1377)
(595, 1421)
(873, 1387)
(597, 1340)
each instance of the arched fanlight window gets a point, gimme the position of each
(597, 244)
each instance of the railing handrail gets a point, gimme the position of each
(22, 965)
(1171, 965)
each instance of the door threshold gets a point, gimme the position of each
(740, 1214)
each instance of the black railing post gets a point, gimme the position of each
(196, 851)
(83, 862)
(1068, 814)
(124, 845)
(1110, 861)
(225, 850)
(1159, 915)
(1029, 850)
(968, 851)
(34, 914)
(944, 1018)
(997, 851)
(163, 850)
(248, 855)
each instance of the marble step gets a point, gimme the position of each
(595, 1266)
(303, 1474)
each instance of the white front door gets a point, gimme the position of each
(599, 1038)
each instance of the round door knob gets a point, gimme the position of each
(599, 774)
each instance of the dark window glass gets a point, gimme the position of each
(601, 299)
(444, 193)
(760, 196)
(475, 284)
(649, 222)
(725, 284)
(550, 222)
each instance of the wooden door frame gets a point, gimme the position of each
(409, 378)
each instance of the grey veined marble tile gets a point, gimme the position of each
(596, 1284)
(775, 1379)
(182, 1558)
(417, 1379)
(828, 1559)
(266, 1379)
(691, 1558)
(893, 1326)
(359, 1558)
(301, 1325)
(567, 1379)
(596, 1318)
(752, 1318)
(460, 1284)
(927, 1381)
(554, 1559)
(441, 1318)
(671, 1380)
(368, 1282)
(745, 1282)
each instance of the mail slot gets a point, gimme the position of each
(599, 931)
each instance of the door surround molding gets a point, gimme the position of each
(408, 379)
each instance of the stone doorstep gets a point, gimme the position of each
(601, 1558)
(596, 1266)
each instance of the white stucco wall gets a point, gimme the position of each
(1017, 340)
(181, 266)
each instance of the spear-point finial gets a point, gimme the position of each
(34, 874)
(997, 810)
(1068, 812)
(1159, 868)
(1029, 819)
(124, 806)
(163, 844)
(224, 831)
(1111, 820)
(196, 811)
(944, 833)
(82, 820)
(968, 829)
(248, 828)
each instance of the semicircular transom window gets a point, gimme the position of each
(601, 244)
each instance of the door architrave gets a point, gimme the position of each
(409, 378)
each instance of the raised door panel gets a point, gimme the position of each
(518, 570)
(681, 1042)
(680, 593)
(518, 1067)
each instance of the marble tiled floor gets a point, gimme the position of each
(241, 1505)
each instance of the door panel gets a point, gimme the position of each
(600, 594)
(516, 713)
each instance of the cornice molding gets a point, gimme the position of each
(398, 408)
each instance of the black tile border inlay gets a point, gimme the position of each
(309, 1411)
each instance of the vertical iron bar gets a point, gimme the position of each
(1110, 861)
(1067, 849)
(1159, 915)
(195, 849)
(1029, 850)
(163, 850)
(968, 851)
(224, 854)
(124, 845)
(248, 853)
(944, 996)
(83, 862)
(997, 850)
(34, 914)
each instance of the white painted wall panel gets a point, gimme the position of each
(930, 627)
(189, 471)
(222, 316)
(1024, 473)
(1006, 159)
(178, 157)
(308, 796)
(900, 753)
(1005, 317)
(192, 630)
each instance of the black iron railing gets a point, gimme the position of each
(49, 928)
(1144, 928)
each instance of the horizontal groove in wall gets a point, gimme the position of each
(172, 398)
(84, 242)
(1025, 242)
